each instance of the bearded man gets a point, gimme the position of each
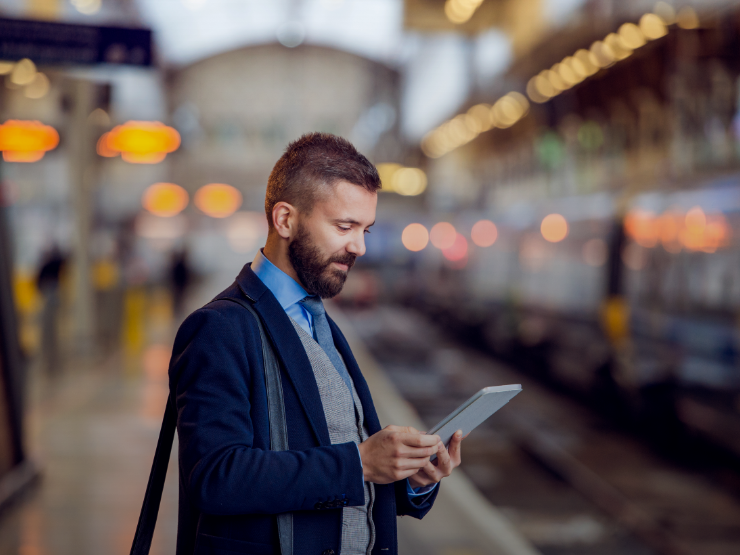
(342, 479)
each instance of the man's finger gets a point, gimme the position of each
(419, 440)
(432, 472)
(454, 449)
(417, 452)
(445, 464)
(405, 429)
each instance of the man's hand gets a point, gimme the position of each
(442, 466)
(395, 453)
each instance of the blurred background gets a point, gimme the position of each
(560, 208)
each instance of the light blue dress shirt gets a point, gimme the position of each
(288, 293)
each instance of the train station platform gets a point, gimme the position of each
(93, 429)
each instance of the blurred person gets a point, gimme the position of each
(180, 275)
(47, 283)
(344, 479)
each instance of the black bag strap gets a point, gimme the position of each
(278, 442)
(153, 495)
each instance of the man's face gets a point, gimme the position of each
(331, 237)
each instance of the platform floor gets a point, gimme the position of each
(93, 428)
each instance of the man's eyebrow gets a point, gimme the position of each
(351, 221)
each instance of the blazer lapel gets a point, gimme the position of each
(363, 391)
(289, 349)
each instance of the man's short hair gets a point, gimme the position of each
(312, 163)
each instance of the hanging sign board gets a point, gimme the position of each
(46, 42)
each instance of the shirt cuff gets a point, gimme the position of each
(416, 492)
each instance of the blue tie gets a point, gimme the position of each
(322, 334)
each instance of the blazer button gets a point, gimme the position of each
(328, 552)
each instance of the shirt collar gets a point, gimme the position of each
(287, 291)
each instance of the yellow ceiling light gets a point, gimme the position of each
(555, 80)
(26, 141)
(687, 18)
(533, 90)
(652, 26)
(218, 200)
(589, 61)
(543, 86)
(165, 199)
(614, 41)
(506, 112)
(631, 37)
(143, 142)
(409, 182)
(577, 67)
(23, 72)
(481, 113)
(386, 171)
(566, 73)
(603, 54)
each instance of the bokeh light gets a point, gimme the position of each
(443, 235)
(165, 199)
(26, 141)
(642, 226)
(458, 250)
(143, 142)
(103, 149)
(554, 228)
(218, 200)
(415, 237)
(409, 181)
(652, 26)
(484, 233)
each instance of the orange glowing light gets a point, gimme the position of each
(554, 228)
(143, 142)
(643, 227)
(165, 199)
(717, 233)
(692, 235)
(26, 141)
(443, 235)
(103, 149)
(218, 200)
(458, 251)
(415, 237)
(484, 233)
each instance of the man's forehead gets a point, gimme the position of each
(347, 201)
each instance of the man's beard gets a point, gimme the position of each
(315, 271)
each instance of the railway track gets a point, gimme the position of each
(567, 479)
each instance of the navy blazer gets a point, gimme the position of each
(231, 484)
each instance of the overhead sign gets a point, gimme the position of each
(47, 42)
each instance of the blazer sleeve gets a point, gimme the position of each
(416, 507)
(223, 473)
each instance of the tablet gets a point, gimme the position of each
(474, 411)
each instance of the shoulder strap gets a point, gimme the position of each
(153, 495)
(278, 442)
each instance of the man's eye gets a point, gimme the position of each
(367, 231)
(344, 228)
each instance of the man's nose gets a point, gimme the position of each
(357, 245)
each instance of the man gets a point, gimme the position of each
(343, 478)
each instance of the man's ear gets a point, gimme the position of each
(284, 218)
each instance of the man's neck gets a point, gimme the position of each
(276, 251)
